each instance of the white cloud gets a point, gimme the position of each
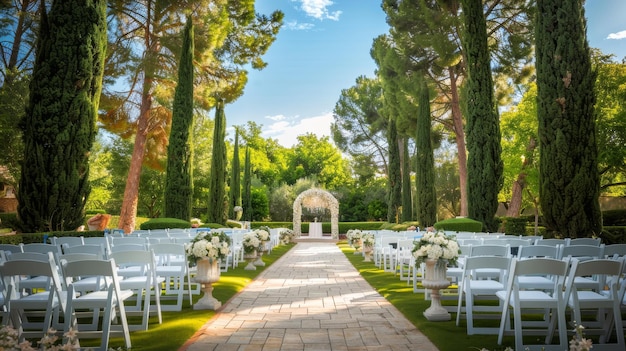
(319, 9)
(286, 131)
(618, 35)
(294, 25)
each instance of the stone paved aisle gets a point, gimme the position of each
(312, 298)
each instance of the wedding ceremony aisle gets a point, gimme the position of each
(312, 298)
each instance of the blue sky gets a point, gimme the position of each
(324, 46)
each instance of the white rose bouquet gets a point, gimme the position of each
(436, 246)
(250, 242)
(368, 239)
(353, 236)
(212, 245)
(263, 234)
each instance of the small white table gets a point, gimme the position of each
(315, 230)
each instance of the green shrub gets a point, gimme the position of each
(28, 238)
(92, 212)
(614, 218)
(515, 225)
(9, 220)
(613, 235)
(459, 225)
(164, 223)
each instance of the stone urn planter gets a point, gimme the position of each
(207, 274)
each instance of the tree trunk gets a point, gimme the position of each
(457, 119)
(128, 214)
(515, 206)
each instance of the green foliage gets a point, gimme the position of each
(246, 198)
(260, 204)
(394, 199)
(164, 223)
(13, 100)
(614, 217)
(178, 182)
(569, 180)
(515, 225)
(217, 190)
(484, 165)
(235, 179)
(407, 201)
(9, 220)
(460, 225)
(425, 169)
(59, 125)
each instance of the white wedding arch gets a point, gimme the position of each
(316, 198)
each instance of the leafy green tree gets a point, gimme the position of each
(13, 99)
(425, 170)
(313, 157)
(281, 203)
(484, 165)
(394, 179)
(260, 203)
(178, 183)
(230, 38)
(246, 198)
(59, 125)
(358, 127)
(569, 181)
(217, 190)
(268, 158)
(235, 178)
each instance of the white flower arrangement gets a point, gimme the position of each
(263, 234)
(250, 242)
(353, 236)
(210, 245)
(436, 246)
(238, 209)
(9, 340)
(368, 239)
(286, 236)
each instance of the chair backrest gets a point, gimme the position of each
(615, 249)
(127, 240)
(539, 251)
(32, 256)
(102, 268)
(12, 248)
(491, 250)
(127, 247)
(541, 266)
(98, 250)
(583, 252)
(603, 270)
(473, 263)
(169, 253)
(142, 258)
(552, 242)
(585, 241)
(42, 248)
(67, 240)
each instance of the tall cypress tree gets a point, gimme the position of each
(407, 203)
(217, 182)
(178, 184)
(484, 171)
(59, 124)
(394, 185)
(425, 172)
(235, 178)
(247, 188)
(569, 178)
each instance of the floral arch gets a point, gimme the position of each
(316, 198)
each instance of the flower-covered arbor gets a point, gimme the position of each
(316, 198)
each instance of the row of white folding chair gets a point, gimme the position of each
(569, 241)
(567, 294)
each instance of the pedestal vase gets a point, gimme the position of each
(207, 274)
(250, 258)
(367, 252)
(259, 260)
(435, 279)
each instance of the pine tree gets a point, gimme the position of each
(235, 179)
(59, 124)
(425, 170)
(178, 184)
(247, 188)
(569, 180)
(217, 182)
(483, 128)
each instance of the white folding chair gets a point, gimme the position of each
(520, 300)
(172, 266)
(472, 288)
(11, 248)
(614, 250)
(33, 314)
(108, 302)
(140, 277)
(67, 240)
(605, 303)
(91, 249)
(98, 240)
(553, 242)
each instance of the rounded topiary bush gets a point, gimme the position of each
(164, 223)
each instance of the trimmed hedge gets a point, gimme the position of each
(28, 238)
(460, 225)
(164, 223)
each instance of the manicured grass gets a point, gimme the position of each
(178, 327)
(445, 335)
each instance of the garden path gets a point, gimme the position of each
(312, 298)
